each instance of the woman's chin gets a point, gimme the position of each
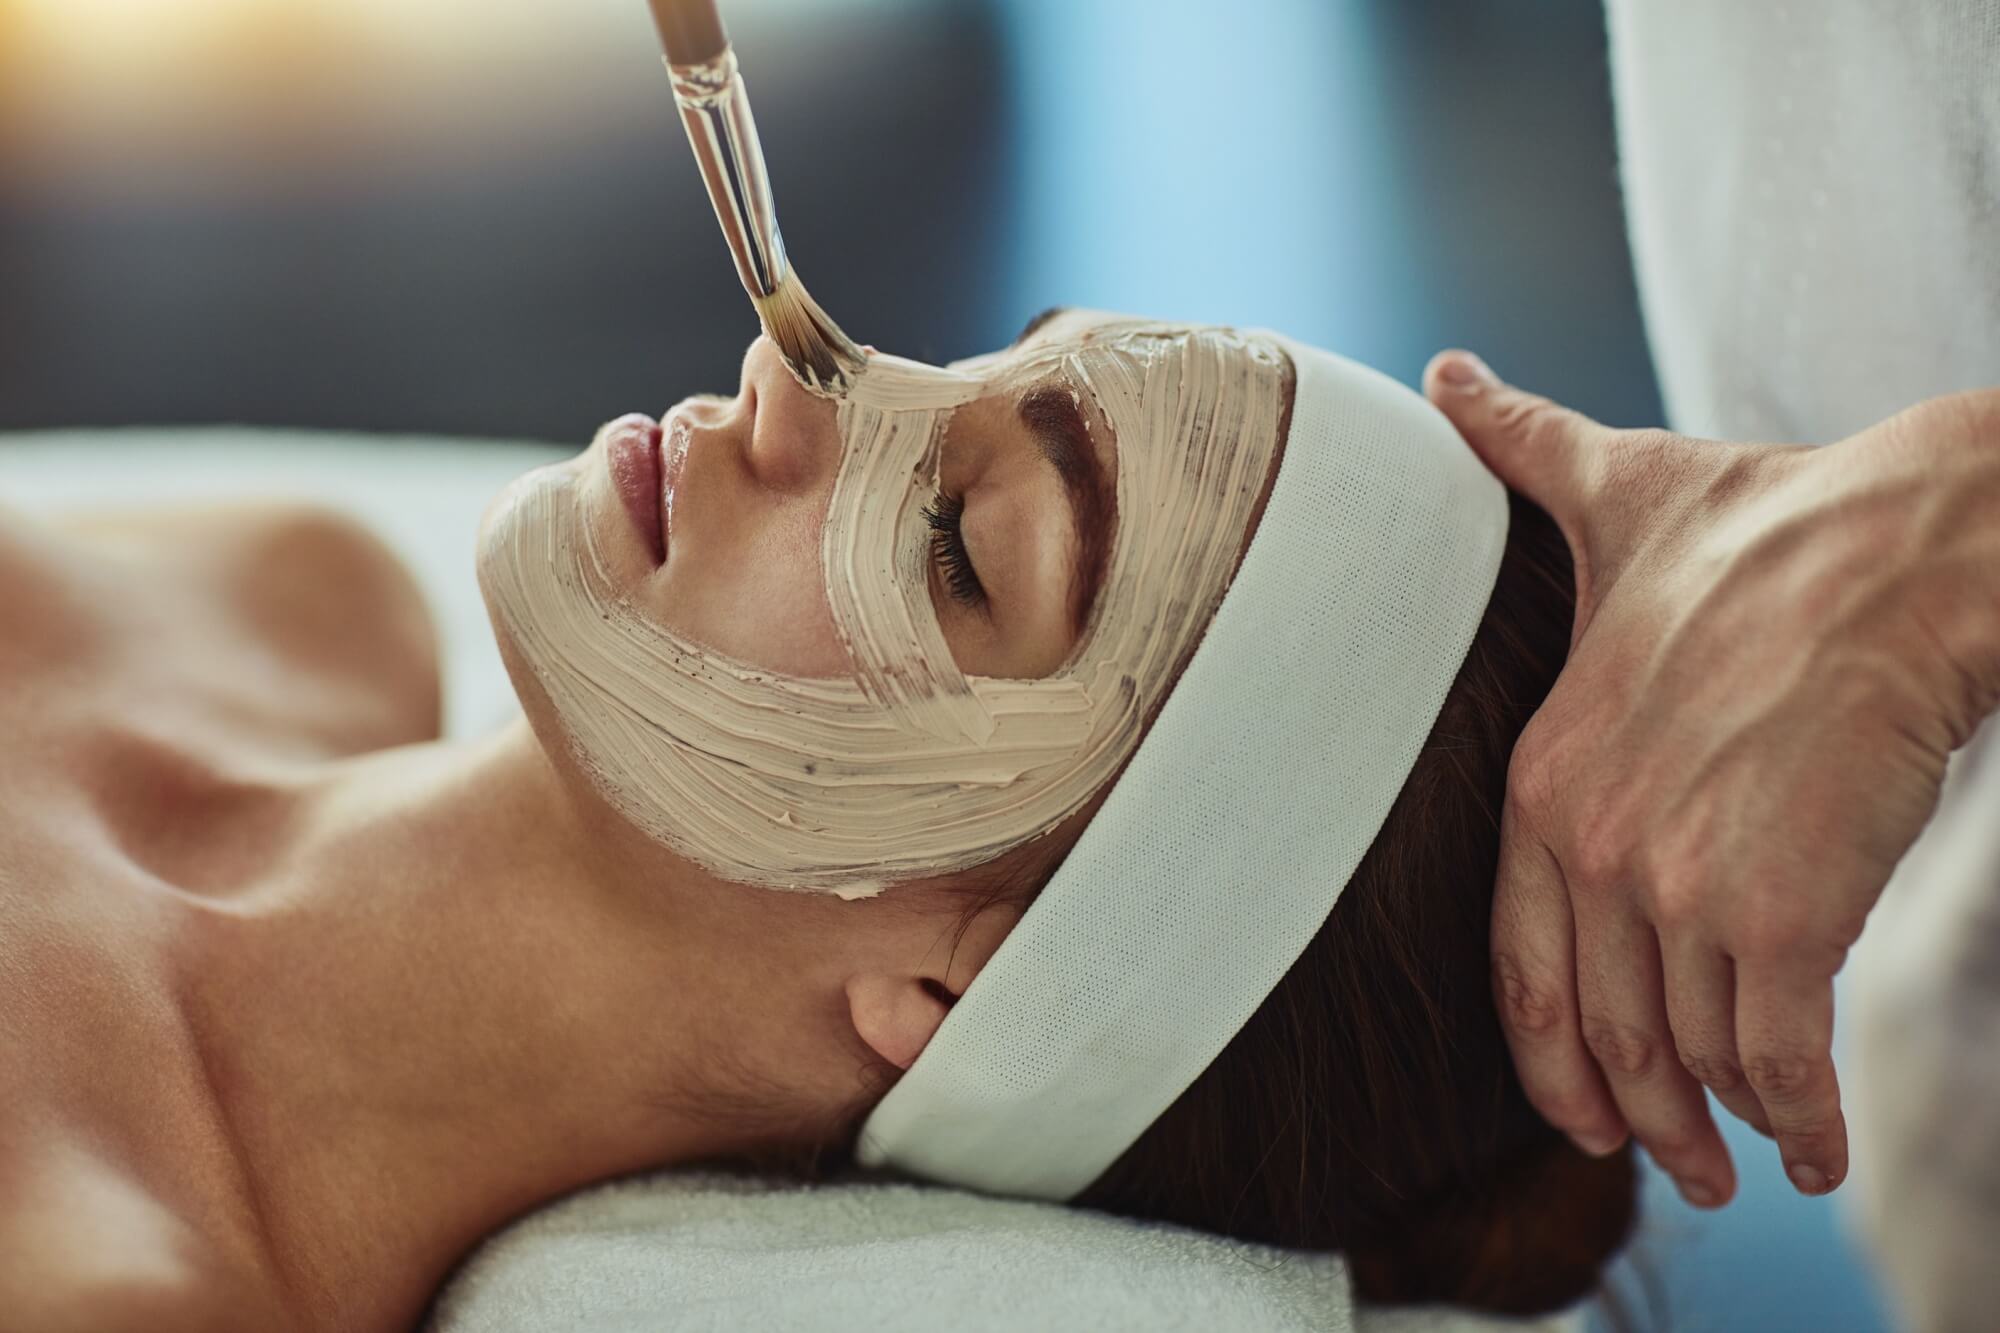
(502, 522)
(502, 508)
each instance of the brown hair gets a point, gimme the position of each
(1370, 1105)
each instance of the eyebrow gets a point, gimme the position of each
(1064, 440)
(1035, 322)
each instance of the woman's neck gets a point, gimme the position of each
(439, 1004)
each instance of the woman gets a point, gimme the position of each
(307, 1003)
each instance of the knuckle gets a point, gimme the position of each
(1531, 418)
(1527, 1008)
(1530, 775)
(1770, 929)
(1810, 1135)
(1620, 1047)
(1712, 1070)
(1674, 901)
(1778, 1078)
(1841, 930)
(1600, 853)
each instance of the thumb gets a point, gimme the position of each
(1537, 447)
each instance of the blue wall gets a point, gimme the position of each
(1384, 179)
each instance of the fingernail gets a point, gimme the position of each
(1808, 1179)
(1598, 1145)
(1698, 1194)
(1463, 370)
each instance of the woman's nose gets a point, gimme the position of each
(794, 435)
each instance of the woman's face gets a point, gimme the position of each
(720, 541)
(825, 645)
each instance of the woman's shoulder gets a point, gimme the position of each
(295, 599)
(141, 1304)
(326, 592)
(85, 1246)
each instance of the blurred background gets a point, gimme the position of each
(460, 217)
(455, 216)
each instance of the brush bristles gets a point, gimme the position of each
(824, 359)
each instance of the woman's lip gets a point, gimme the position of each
(633, 455)
(675, 434)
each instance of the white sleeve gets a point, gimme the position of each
(1812, 191)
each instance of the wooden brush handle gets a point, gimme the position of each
(690, 30)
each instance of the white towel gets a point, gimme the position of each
(711, 1251)
(701, 1250)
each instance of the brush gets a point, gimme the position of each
(716, 112)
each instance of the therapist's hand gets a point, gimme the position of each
(1776, 649)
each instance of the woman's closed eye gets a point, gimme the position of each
(1018, 510)
(946, 515)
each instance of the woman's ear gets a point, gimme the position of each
(896, 1015)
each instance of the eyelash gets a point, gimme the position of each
(948, 548)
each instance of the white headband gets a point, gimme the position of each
(1221, 849)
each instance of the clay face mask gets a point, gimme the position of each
(911, 768)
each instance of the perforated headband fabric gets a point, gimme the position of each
(1222, 847)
